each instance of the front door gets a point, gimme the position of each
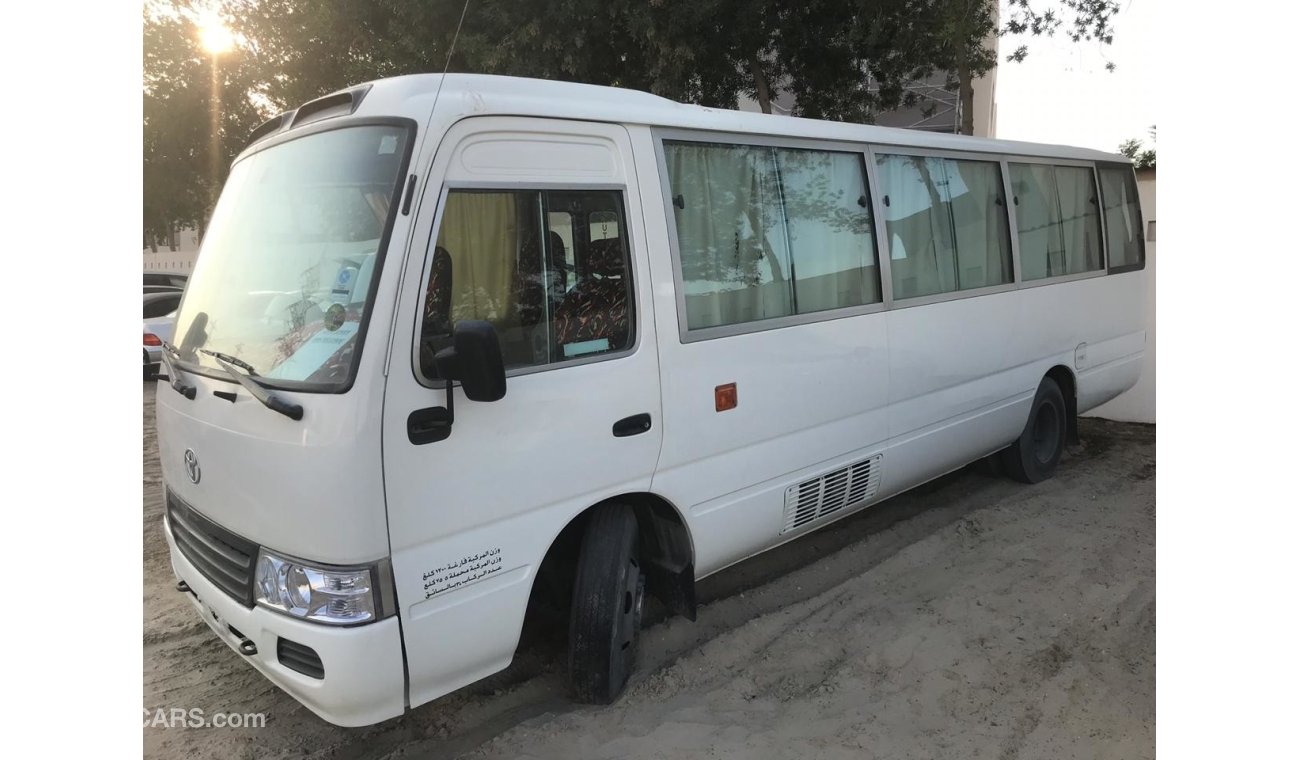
(534, 226)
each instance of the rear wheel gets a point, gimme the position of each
(606, 610)
(1034, 456)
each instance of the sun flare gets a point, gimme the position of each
(214, 35)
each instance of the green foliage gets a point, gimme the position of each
(1143, 158)
(710, 52)
(183, 166)
(1083, 20)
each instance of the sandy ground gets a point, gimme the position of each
(973, 618)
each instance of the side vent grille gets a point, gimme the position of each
(821, 497)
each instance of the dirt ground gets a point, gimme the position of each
(972, 618)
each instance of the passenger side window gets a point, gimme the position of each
(527, 262)
(1056, 219)
(947, 224)
(769, 232)
(1119, 200)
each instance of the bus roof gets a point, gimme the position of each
(465, 95)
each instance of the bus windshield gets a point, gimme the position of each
(284, 278)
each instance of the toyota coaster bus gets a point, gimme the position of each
(458, 344)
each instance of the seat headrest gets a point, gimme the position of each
(556, 251)
(605, 257)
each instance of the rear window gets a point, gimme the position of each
(161, 307)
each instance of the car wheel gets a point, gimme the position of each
(1034, 456)
(606, 610)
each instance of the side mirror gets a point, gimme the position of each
(474, 358)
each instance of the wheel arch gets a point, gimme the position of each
(667, 552)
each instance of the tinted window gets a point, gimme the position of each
(1056, 219)
(548, 269)
(161, 307)
(1123, 218)
(946, 221)
(770, 232)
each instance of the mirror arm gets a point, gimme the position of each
(451, 403)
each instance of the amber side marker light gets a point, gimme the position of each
(724, 397)
(151, 340)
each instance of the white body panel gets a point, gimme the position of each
(926, 388)
(514, 472)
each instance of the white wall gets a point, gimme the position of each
(1139, 403)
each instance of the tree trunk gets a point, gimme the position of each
(760, 84)
(966, 96)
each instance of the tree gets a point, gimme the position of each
(1142, 158)
(179, 146)
(709, 52)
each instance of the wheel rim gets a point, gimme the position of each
(629, 612)
(1047, 433)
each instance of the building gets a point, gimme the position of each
(179, 259)
(938, 109)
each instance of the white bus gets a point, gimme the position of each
(461, 347)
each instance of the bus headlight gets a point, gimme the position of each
(337, 595)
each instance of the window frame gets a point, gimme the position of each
(685, 334)
(1015, 227)
(869, 151)
(998, 159)
(507, 185)
(386, 240)
(1140, 224)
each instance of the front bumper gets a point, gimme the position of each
(364, 676)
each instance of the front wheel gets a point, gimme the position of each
(606, 610)
(1034, 456)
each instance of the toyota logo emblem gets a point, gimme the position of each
(192, 466)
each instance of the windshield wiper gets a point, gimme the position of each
(231, 360)
(257, 390)
(174, 377)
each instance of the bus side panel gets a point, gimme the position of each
(954, 396)
(1112, 364)
(1093, 326)
(807, 396)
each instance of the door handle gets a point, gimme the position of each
(634, 425)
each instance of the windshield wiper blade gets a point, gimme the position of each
(258, 391)
(174, 376)
(231, 360)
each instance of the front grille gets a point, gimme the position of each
(221, 556)
(299, 657)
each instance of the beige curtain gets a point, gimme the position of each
(918, 223)
(983, 238)
(832, 248)
(1042, 252)
(730, 232)
(480, 231)
(1080, 225)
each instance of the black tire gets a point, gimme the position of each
(606, 609)
(1034, 456)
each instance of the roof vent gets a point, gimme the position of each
(268, 127)
(337, 104)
